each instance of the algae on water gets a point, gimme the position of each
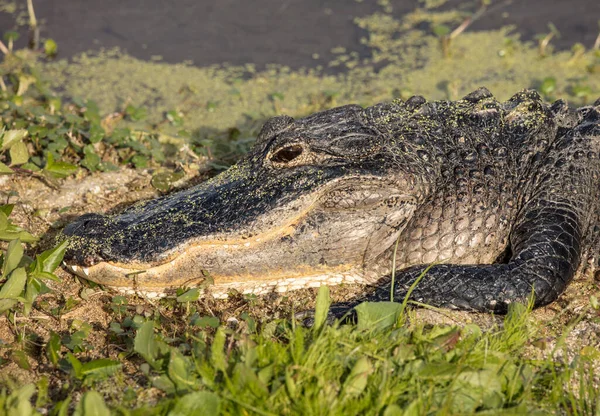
(404, 61)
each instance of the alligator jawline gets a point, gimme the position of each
(151, 276)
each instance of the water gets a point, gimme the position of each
(296, 33)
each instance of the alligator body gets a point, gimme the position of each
(503, 198)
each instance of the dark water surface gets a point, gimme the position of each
(297, 33)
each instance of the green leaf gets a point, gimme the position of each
(18, 154)
(54, 103)
(5, 170)
(474, 389)
(277, 96)
(3, 221)
(14, 254)
(20, 358)
(9, 231)
(18, 402)
(62, 408)
(75, 365)
(548, 86)
(135, 113)
(32, 290)
(58, 169)
(21, 401)
(7, 209)
(581, 91)
(145, 344)
(7, 304)
(91, 159)
(356, 382)
(594, 302)
(322, 307)
(12, 137)
(395, 410)
(211, 106)
(91, 404)
(100, 368)
(74, 119)
(377, 315)
(179, 371)
(217, 356)
(96, 133)
(11, 35)
(197, 403)
(290, 384)
(204, 321)
(189, 296)
(441, 30)
(50, 47)
(53, 348)
(140, 161)
(175, 118)
(49, 260)
(13, 233)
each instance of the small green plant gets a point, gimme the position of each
(582, 91)
(289, 368)
(91, 371)
(22, 277)
(18, 401)
(548, 87)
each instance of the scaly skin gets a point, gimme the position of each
(502, 197)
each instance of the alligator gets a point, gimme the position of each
(480, 203)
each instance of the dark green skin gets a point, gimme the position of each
(505, 195)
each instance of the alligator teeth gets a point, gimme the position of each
(78, 270)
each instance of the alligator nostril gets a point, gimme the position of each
(87, 223)
(72, 228)
(287, 154)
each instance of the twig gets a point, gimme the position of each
(393, 283)
(32, 19)
(3, 85)
(33, 27)
(597, 43)
(546, 39)
(3, 48)
(544, 43)
(469, 20)
(28, 318)
(483, 8)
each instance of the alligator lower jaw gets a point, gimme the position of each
(147, 284)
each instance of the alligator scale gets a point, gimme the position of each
(503, 199)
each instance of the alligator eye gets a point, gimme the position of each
(287, 154)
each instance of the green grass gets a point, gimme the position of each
(283, 368)
(395, 369)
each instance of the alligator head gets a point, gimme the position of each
(316, 198)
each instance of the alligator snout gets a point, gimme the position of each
(86, 231)
(87, 224)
